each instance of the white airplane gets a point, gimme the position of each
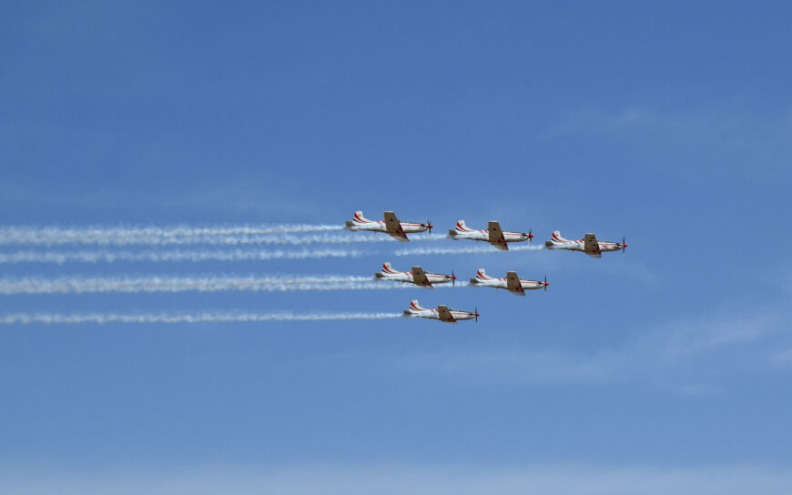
(391, 226)
(417, 276)
(589, 244)
(511, 282)
(442, 313)
(492, 234)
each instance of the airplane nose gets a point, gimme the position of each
(546, 284)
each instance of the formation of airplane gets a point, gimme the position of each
(416, 276)
(510, 282)
(589, 244)
(492, 234)
(442, 313)
(391, 225)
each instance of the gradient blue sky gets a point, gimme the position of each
(663, 371)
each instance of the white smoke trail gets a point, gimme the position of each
(205, 317)
(145, 235)
(152, 256)
(280, 283)
(463, 250)
(184, 236)
(285, 239)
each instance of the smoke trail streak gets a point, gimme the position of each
(282, 283)
(153, 256)
(205, 317)
(287, 239)
(462, 250)
(225, 240)
(144, 235)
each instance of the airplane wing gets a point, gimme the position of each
(393, 227)
(591, 246)
(445, 314)
(420, 278)
(513, 283)
(496, 237)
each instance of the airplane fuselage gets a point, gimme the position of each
(391, 225)
(433, 314)
(500, 283)
(483, 235)
(578, 246)
(379, 226)
(589, 245)
(442, 313)
(510, 282)
(492, 234)
(434, 278)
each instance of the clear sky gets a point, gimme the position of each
(664, 370)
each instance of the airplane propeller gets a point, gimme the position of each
(545, 283)
(624, 245)
(453, 278)
(429, 226)
(530, 235)
(476, 313)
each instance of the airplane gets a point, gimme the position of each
(589, 245)
(511, 282)
(417, 276)
(493, 234)
(442, 313)
(391, 226)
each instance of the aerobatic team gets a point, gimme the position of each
(493, 234)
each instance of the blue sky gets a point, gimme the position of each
(666, 369)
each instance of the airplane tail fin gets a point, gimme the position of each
(480, 277)
(460, 229)
(358, 218)
(387, 268)
(415, 306)
(557, 236)
(414, 309)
